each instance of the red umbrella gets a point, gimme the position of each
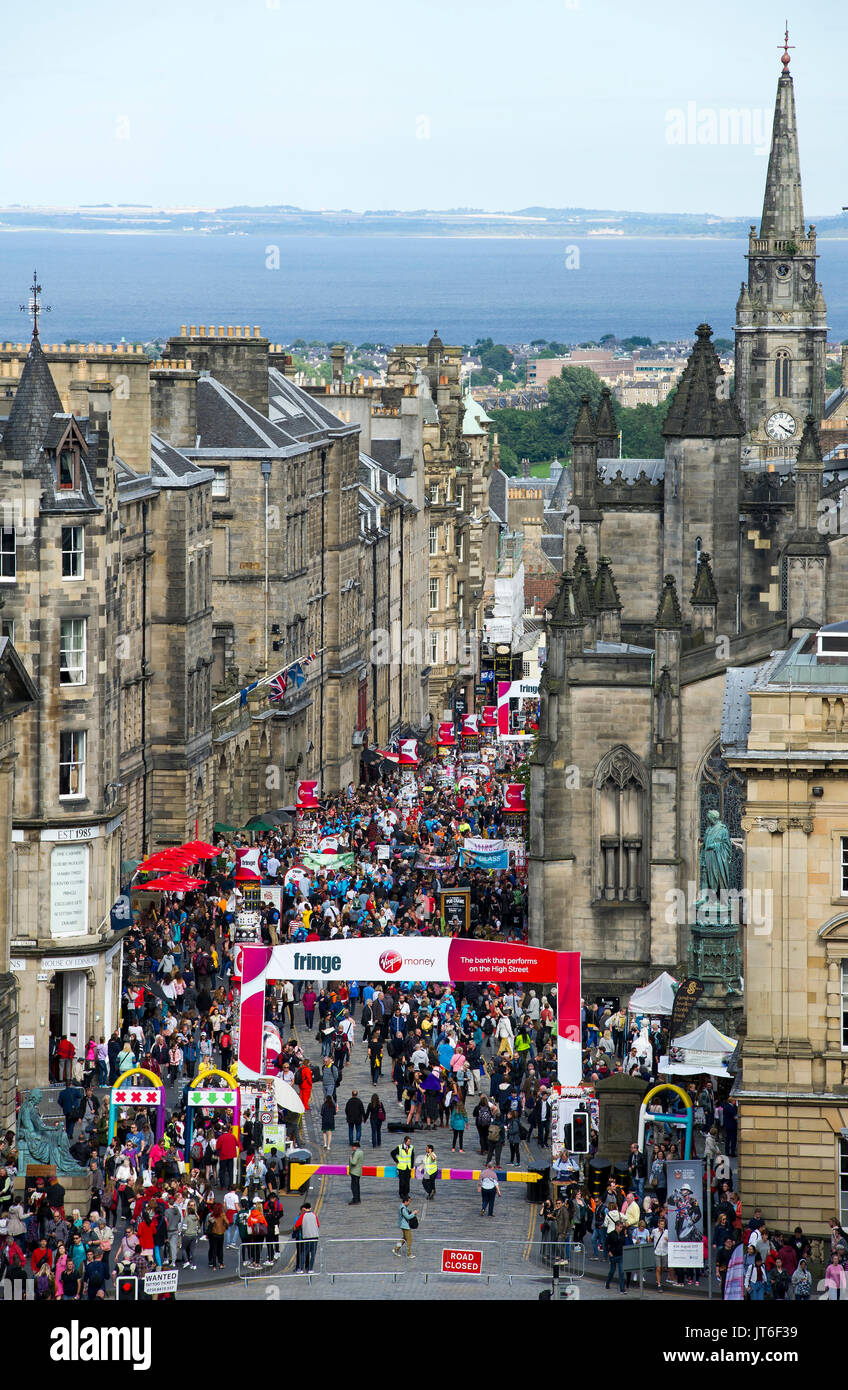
(169, 883)
(153, 885)
(174, 858)
(200, 849)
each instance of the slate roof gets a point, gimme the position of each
(172, 467)
(297, 412)
(224, 421)
(498, 495)
(36, 402)
(630, 469)
(562, 492)
(736, 710)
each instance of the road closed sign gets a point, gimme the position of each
(462, 1261)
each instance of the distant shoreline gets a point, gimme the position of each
(386, 234)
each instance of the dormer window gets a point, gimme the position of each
(68, 469)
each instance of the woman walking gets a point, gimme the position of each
(458, 1123)
(216, 1228)
(376, 1114)
(328, 1121)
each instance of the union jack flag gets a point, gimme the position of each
(277, 686)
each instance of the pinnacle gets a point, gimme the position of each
(704, 590)
(701, 409)
(668, 609)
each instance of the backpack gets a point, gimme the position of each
(42, 1285)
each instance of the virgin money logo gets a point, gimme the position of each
(391, 962)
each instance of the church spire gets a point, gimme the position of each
(783, 208)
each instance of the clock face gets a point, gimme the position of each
(783, 271)
(780, 425)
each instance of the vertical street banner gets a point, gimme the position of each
(685, 1179)
(688, 993)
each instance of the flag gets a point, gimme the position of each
(278, 686)
(244, 692)
(295, 675)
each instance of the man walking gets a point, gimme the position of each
(636, 1168)
(489, 1189)
(354, 1114)
(615, 1250)
(69, 1101)
(404, 1157)
(357, 1158)
(305, 1232)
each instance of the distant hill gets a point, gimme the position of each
(281, 219)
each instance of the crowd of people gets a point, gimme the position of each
(473, 1064)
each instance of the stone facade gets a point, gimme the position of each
(793, 1096)
(717, 557)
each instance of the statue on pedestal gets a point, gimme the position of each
(712, 905)
(41, 1142)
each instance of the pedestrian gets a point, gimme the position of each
(328, 1121)
(408, 1222)
(659, 1236)
(404, 1158)
(458, 1124)
(489, 1189)
(216, 1229)
(377, 1115)
(513, 1134)
(357, 1158)
(615, 1251)
(354, 1114)
(431, 1168)
(191, 1231)
(305, 1232)
(756, 1280)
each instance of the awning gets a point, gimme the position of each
(655, 998)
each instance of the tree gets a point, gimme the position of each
(564, 394)
(608, 338)
(833, 377)
(635, 342)
(496, 358)
(509, 460)
(723, 344)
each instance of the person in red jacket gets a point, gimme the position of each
(146, 1232)
(226, 1147)
(41, 1255)
(65, 1051)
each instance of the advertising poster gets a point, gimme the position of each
(456, 912)
(484, 854)
(685, 1179)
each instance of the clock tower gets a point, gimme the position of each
(781, 328)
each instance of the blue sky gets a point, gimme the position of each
(445, 104)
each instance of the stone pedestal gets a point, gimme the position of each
(77, 1189)
(620, 1099)
(715, 958)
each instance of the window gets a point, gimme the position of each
(460, 545)
(72, 652)
(7, 628)
(221, 482)
(8, 555)
(434, 539)
(845, 1006)
(460, 596)
(73, 552)
(460, 496)
(67, 471)
(434, 648)
(434, 594)
(447, 591)
(781, 373)
(526, 669)
(843, 1184)
(620, 788)
(434, 494)
(844, 844)
(71, 763)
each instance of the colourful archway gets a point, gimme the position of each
(231, 1086)
(122, 1095)
(686, 1121)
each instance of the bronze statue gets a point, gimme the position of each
(716, 854)
(42, 1142)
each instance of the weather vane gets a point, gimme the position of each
(33, 305)
(785, 60)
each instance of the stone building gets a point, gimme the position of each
(61, 575)
(674, 570)
(785, 732)
(17, 695)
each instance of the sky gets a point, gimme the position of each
(452, 103)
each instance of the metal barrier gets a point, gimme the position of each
(375, 1257)
(290, 1260)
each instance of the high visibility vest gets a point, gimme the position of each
(431, 1164)
(405, 1159)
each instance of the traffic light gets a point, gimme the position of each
(580, 1132)
(127, 1291)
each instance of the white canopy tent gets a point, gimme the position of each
(704, 1050)
(657, 998)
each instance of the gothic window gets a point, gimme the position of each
(723, 789)
(620, 789)
(781, 373)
